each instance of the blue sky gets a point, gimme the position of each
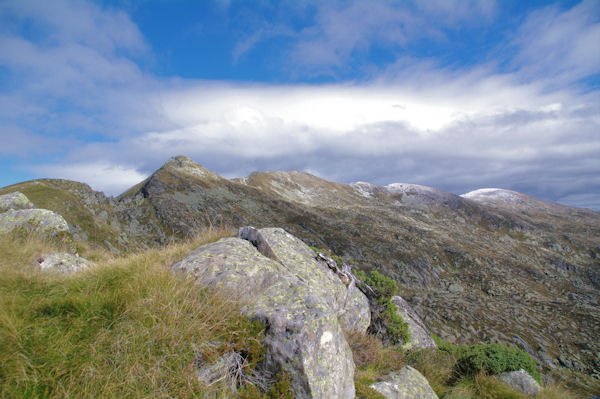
(454, 94)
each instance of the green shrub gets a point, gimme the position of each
(495, 359)
(443, 345)
(397, 329)
(385, 321)
(381, 285)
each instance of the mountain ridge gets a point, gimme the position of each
(474, 272)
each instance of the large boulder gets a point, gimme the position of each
(407, 383)
(419, 336)
(348, 303)
(521, 381)
(303, 303)
(38, 220)
(14, 201)
(62, 262)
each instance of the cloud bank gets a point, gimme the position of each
(80, 95)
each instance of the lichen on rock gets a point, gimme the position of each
(14, 201)
(407, 383)
(38, 220)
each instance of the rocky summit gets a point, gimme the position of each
(488, 266)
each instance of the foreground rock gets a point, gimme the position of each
(14, 201)
(62, 262)
(33, 220)
(303, 303)
(419, 336)
(408, 383)
(521, 381)
(348, 303)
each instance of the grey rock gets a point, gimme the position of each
(419, 336)
(300, 299)
(62, 262)
(521, 381)
(408, 383)
(349, 304)
(39, 220)
(14, 201)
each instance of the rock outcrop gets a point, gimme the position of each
(62, 262)
(521, 381)
(302, 302)
(407, 383)
(38, 220)
(419, 336)
(14, 201)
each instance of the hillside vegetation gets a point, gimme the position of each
(126, 328)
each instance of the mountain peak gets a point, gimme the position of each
(183, 164)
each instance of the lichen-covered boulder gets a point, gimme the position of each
(62, 262)
(521, 381)
(349, 304)
(234, 265)
(38, 220)
(408, 383)
(288, 290)
(419, 336)
(14, 201)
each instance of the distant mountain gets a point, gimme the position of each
(490, 265)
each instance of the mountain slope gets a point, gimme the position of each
(477, 267)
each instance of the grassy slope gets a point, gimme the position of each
(51, 194)
(125, 328)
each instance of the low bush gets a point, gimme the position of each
(495, 359)
(385, 321)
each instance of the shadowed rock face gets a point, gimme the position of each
(303, 303)
(408, 383)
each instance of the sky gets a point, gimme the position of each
(453, 94)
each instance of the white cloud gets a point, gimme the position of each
(415, 122)
(113, 179)
(561, 47)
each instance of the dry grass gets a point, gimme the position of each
(126, 328)
(555, 392)
(482, 386)
(436, 365)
